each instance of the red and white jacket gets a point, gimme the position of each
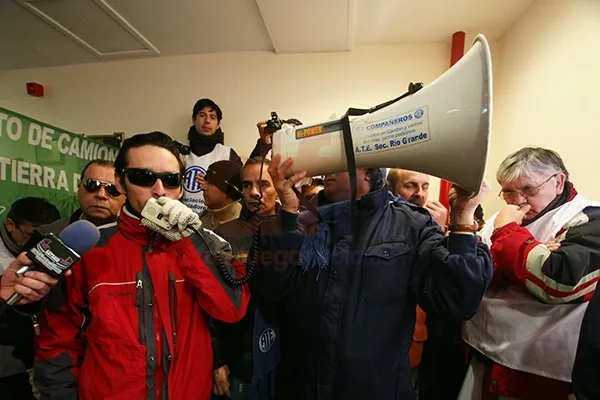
(134, 325)
(529, 319)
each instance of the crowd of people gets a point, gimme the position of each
(266, 286)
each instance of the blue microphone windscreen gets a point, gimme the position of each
(80, 236)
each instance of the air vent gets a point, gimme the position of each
(94, 25)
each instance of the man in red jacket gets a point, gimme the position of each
(149, 292)
(545, 244)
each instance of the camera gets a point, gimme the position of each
(275, 123)
(184, 149)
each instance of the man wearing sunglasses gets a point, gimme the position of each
(98, 197)
(545, 244)
(149, 292)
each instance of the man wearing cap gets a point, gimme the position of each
(222, 193)
(206, 147)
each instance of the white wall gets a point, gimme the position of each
(548, 90)
(158, 94)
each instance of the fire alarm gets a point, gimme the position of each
(35, 89)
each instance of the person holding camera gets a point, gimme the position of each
(266, 129)
(204, 147)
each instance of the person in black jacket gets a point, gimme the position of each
(349, 292)
(16, 327)
(586, 369)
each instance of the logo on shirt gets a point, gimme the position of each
(2, 209)
(191, 185)
(266, 340)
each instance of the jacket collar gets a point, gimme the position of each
(222, 215)
(130, 225)
(567, 195)
(8, 241)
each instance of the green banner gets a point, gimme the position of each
(41, 160)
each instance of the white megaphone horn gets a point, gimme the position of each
(442, 129)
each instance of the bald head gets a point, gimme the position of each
(411, 185)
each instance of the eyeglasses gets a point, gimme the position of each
(527, 191)
(145, 178)
(93, 185)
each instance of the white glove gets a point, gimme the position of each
(179, 216)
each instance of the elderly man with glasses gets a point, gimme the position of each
(545, 244)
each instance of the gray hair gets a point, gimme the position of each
(530, 160)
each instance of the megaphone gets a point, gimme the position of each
(442, 129)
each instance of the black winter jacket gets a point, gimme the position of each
(349, 294)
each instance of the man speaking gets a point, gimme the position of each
(149, 292)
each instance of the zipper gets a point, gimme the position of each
(36, 325)
(173, 306)
(139, 303)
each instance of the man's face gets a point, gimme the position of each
(206, 121)
(19, 234)
(153, 159)
(337, 186)
(214, 198)
(251, 187)
(99, 206)
(543, 189)
(413, 186)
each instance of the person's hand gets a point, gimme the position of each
(283, 186)
(552, 245)
(33, 286)
(178, 214)
(200, 179)
(511, 213)
(462, 208)
(221, 381)
(438, 212)
(182, 219)
(264, 137)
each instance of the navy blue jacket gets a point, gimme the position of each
(349, 293)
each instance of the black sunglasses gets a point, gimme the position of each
(143, 177)
(93, 185)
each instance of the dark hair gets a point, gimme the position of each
(158, 139)
(203, 103)
(257, 160)
(33, 210)
(479, 212)
(99, 162)
(377, 181)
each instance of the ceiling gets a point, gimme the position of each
(40, 33)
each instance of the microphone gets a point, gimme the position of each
(55, 255)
